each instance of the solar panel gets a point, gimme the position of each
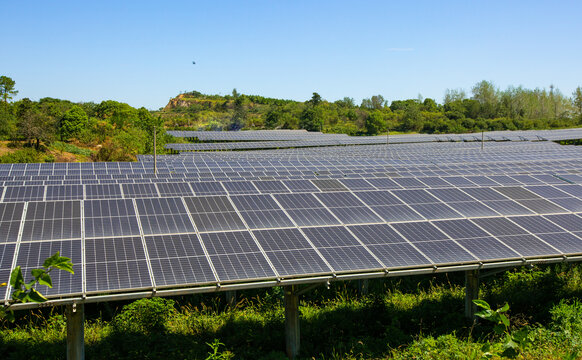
(236, 256)
(213, 213)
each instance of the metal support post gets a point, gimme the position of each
(292, 340)
(363, 286)
(75, 331)
(155, 153)
(471, 292)
(231, 298)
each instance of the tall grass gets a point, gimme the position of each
(408, 318)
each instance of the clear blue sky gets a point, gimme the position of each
(141, 52)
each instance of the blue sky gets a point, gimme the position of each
(141, 52)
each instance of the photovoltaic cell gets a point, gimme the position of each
(33, 254)
(419, 231)
(329, 185)
(460, 229)
(236, 256)
(445, 251)
(528, 245)
(376, 234)
(330, 236)
(488, 248)
(565, 242)
(399, 255)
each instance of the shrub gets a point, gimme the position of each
(26, 155)
(144, 316)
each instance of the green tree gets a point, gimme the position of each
(375, 123)
(454, 95)
(577, 99)
(32, 123)
(240, 114)
(7, 121)
(72, 122)
(376, 102)
(315, 99)
(310, 119)
(7, 88)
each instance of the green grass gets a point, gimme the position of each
(408, 318)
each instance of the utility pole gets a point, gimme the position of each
(155, 153)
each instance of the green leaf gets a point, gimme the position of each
(504, 320)
(35, 296)
(51, 260)
(504, 308)
(499, 329)
(482, 304)
(30, 284)
(37, 273)
(16, 278)
(45, 279)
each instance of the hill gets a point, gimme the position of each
(488, 109)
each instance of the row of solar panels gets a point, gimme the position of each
(253, 135)
(129, 244)
(203, 188)
(276, 141)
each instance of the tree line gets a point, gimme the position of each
(117, 131)
(486, 108)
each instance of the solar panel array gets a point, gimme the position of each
(234, 218)
(297, 139)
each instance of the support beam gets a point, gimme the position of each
(231, 298)
(75, 331)
(471, 292)
(292, 340)
(363, 286)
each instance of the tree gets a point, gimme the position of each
(315, 99)
(454, 95)
(310, 119)
(72, 122)
(577, 95)
(376, 102)
(375, 123)
(7, 88)
(32, 123)
(239, 116)
(7, 120)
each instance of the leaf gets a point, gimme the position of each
(35, 296)
(45, 279)
(504, 308)
(499, 329)
(37, 273)
(16, 278)
(504, 320)
(30, 284)
(482, 304)
(3, 284)
(51, 260)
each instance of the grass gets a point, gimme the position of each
(408, 318)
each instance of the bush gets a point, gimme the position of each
(567, 321)
(70, 148)
(26, 155)
(145, 316)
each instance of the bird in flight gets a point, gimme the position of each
(194, 62)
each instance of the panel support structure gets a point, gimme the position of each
(471, 292)
(363, 286)
(292, 340)
(75, 331)
(231, 298)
